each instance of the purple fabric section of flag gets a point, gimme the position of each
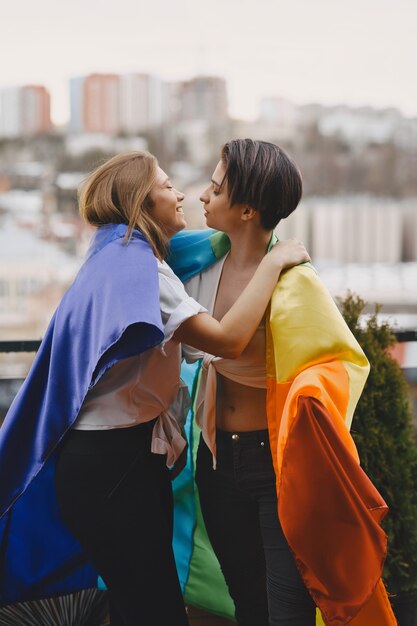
(110, 312)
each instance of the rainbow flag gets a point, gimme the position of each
(329, 510)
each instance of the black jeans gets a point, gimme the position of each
(116, 498)
(239, 506)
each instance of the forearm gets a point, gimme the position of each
(243, 318)
(229, 337)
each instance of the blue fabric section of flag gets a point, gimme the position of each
(190, 253)
(100, 584)
(40, 558)
(110, 312)
(184, 499)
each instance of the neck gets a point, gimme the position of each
(248, 247)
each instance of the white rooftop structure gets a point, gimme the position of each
(20, 201)
(383, 283)
(30, 266)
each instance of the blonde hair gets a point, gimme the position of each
(118, 192)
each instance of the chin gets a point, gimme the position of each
(179, 227)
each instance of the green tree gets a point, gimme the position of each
(385, 436)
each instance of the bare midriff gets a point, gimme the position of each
(239, 407)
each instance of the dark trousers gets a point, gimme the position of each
(116, 498)
(239, 506)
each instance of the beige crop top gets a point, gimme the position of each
(249, 369)
(142, 387)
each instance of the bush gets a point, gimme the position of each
(384, 434)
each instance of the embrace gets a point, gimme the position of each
(99, 429)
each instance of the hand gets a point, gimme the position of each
(288, 253)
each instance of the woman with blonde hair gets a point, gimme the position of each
(97, 415)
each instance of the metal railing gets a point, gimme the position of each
(32, 345)
(15, 345)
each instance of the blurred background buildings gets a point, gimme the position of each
(358, 216)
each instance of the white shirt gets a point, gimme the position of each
(142, 387)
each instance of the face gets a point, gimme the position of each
(217, 210)
(167, 209)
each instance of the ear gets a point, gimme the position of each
(247, 213)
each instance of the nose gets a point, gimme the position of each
(180, 195)
(204, 197)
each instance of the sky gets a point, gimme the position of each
(361, 52)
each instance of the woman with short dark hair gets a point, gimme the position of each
(291, 516)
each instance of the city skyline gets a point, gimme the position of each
(326, 52)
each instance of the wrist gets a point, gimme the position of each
(273, 262)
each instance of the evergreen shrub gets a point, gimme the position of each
(386, 440)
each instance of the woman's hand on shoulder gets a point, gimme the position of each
(288, 253)
(229, 337)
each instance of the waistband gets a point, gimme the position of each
(256, 436)
(87, 441)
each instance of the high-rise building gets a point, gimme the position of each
(77, 104)
(197, 112)
(134, 103)
(202, 98)
(95, 104)
(141, 102)
(102, 103)
(24, 110)
(36, 109)
(111, 103)
(10, 114)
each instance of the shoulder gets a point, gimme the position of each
(120, 263)
(168, 278)
(202, 285)
(299, 276)
(175, 303)
(301, 295)
(171, 290)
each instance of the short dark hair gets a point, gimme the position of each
(261, 175)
